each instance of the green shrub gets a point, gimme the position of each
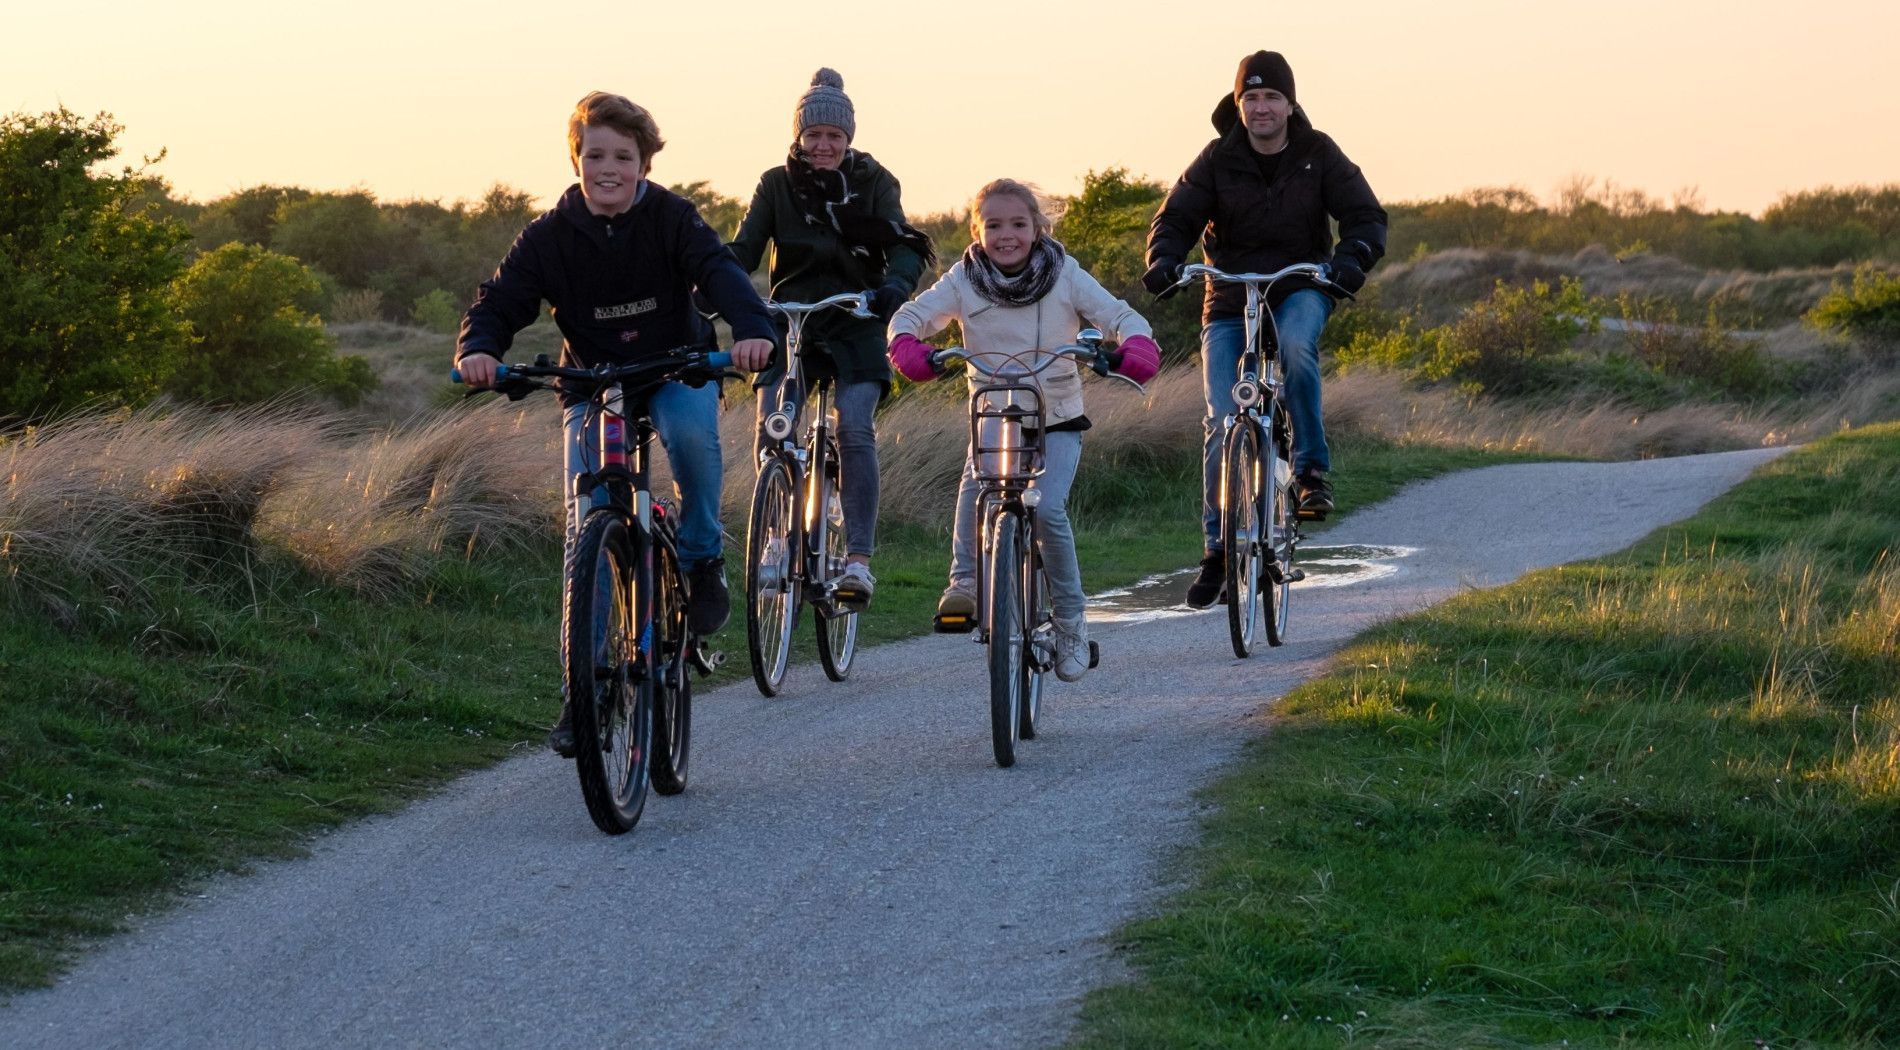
(1710, 354)
(1870, 308)
(1502, 345)
(438, 312)
(83, 271)
(255, 336)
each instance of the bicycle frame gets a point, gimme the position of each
(782, 424)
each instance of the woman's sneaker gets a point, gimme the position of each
(956, 610)
(561, 734)
(855, 585)
(1072, 648)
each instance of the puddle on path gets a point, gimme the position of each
(1159, 597)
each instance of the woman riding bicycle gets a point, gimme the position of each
(1016, 290)
(833, 218)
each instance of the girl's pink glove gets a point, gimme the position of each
(911, 355)
(1141, 358)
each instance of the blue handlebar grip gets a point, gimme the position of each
(719, 359)
(501, 373)
(455, 375)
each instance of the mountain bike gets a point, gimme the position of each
(1260, 529)
(626, 643)
(1016, 622)
(795, 543)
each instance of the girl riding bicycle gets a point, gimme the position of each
(1015, 289)
(833, 218)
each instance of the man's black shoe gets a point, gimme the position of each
(707, 604)
(1316, 496)
(561, 737)
(1207, 586)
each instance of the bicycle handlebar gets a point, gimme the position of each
(1086, 353)
(859, 302)
(682, 360)
(1320, 275)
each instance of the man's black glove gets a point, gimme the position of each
(886, 301)
(1347, 272)
(1161, 277)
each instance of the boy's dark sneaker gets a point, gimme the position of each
(561, 737)
(1316, 496)
(1207, 586)
(707, 604)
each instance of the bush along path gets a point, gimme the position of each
(848, 867)
(1648, 800)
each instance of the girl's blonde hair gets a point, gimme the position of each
(1038, 206)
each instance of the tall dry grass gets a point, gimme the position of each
(114, 499)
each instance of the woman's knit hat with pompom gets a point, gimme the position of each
(825, 103)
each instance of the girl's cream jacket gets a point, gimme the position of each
(1077, 301)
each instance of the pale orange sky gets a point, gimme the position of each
(1741, 101)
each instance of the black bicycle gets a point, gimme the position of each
(795, 543)
(1006, 444)
(626, 641)
(1260, 527)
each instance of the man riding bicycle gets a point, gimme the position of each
(1258, 198)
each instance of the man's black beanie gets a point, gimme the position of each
(1262, 69)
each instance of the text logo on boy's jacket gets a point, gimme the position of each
(609, 313)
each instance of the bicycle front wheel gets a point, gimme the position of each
(1039, 627)
(1282, 525)
(1004, 621)
(837, 625)
(673, 685)
(606, 677)
(1241, 489)
(771, 583)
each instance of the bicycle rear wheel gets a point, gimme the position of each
(673, 684)
(1282, 526)
(607, 678)
(837, 626)
(1004, 621)
(771, 585)
(1241, 484)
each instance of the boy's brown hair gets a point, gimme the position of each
(601, 109)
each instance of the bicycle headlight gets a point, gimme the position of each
(778, 426)
(1032, 498)
(1246, 393)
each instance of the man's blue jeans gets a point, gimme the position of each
(687, 422)
(1299, 319)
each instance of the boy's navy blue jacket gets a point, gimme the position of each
(620, 288)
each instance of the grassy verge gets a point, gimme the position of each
(148, 742)
(1648, 800)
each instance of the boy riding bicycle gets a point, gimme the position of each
(617, 260)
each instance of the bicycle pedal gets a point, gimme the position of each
(1304, 514)
(1095, 655)
(706, 660)
(1296, 575)
(953, 624)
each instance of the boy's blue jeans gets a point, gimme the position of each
(687, 421)
(1299, 318)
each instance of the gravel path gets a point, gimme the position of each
(849, 868)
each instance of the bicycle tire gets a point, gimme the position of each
(837, 626)
(1282, 525)
(611, 696)
(673, 683)
(1003, 621)
(1039, 655)
(772, 589)
(1240, 532)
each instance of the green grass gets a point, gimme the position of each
(1652, 800)
(147, 743)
